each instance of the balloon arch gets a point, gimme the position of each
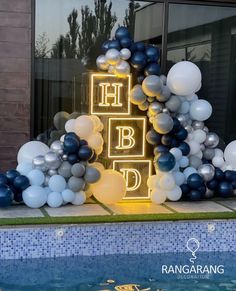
(188, 163)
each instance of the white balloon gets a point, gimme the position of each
(98, 125)
(184, 78)
(153, 182)
(174, 194)
(167, 181)
(194, 147)
(158, 196)
(30, 150)
(200, 110)
(98, 166)
(54, 199)
(199, 135)
(69, 126)
(34, 196)
(95, 141)
(62, 138)
(68, 195)
(199, 154)
(219, 153)
(218, 161)
(84, 126)
(80, 198)
(24, 168)
(230, 153)
(36, 177)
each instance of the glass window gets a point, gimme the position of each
(205, 35)
(68, 38)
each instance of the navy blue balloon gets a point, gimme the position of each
(152, 53)
(71, 135)
(202, 190)
(219, 174)
(18, 197)
(133, 48)
(122, 32)
(225, 189)
(125, 42)
(138, 61)
(71, 146)
(234, 184)
(153, 137)
(194, 195)
(195, 181)
(174, 143)
(212, 184)
(114, 44)
(184, 147)
(166, 139)
(72, 158)
(21, 182)
(3, 180)
(152, 69)
(83, 142)
(140, 79)
(105, 46)
(85, 153)
(165, 162)
(160, 149)
(176, 125)
(230, 175)
(185, 190)
(5, 196)
(140, 46)
(181, 134)
(11, 175)
(205, 161)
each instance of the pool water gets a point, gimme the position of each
(118, 272)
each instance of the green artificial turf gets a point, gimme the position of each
(116, 218)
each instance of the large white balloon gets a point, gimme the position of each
(30, 150)
(111, 187)
(184, 78)
(167, 181)
(69, 126)
(34, 196)
(84, 126)
(230, 154)
(95, 141)
(158, 196)
(200, 110)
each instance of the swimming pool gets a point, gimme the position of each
(118, 272)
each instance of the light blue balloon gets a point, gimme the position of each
(179, 178)
(24, 168)
(34, 196)
(183, 162)
(68, 195)
(189, 171)
(36, 177)
(57, 183)
(54, 199)
(47, 190)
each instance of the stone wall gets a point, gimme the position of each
(15, 75)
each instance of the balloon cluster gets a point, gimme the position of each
(122, 53)
(187, 161)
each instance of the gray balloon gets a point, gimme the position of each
(52, 160)
(173, 104)
(202, 147)
(209, 154)
(209, 193)
(189, 128)
(137, 96)
(164, 95)
(212, 140)
(197, 124)
(92, 175)
(76, 184)
(182, 119)
(152, 85)
(78, 170)
(39, 163)
(143, 106)
(207, 171)
(60, 119)
(65, 169)
(155, 108)
(52, 172)
(195, 162)
(205, 129)
(163, 123)
(57, 147)
(74, 115)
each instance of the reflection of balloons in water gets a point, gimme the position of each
(111, 188)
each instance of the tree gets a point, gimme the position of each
(95, 28)
(41, 49)
(129, 19)
(57, 51)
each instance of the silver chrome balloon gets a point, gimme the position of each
(39, 163)
(209, 154)
(212, 140)
(113, 56)
(64, 157)
(102, 63)
(125, 54)
(165, 110)
(57, 147)
(47, 178)
(137, 96)
(122, 68)
(189, 128)
(155, 108)
(52, 172)
(205, 129)
(197, 124)
(52, 160)
(182, 119)
(163, 123)
(207, 172)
